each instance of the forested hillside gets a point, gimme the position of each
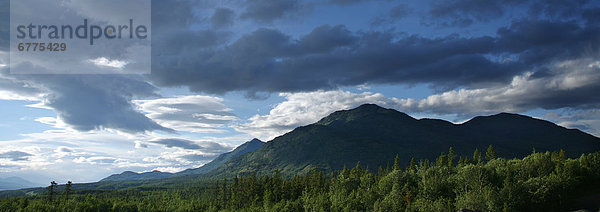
(374, 135)
(539, 182)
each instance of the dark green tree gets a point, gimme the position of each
(67, 190)
(397, 162)
(451, 157)
(441, 160)
(413, 165)
(477, 156)
(490, 154)
(24, 202)
(51, 191)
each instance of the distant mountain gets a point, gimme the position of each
(12, 183)
(374, 135)
(249, 146)
(129, 175)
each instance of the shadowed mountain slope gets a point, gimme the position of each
(373, 135)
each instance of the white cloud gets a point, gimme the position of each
(103, 61)
(53, 121)
(585, 120)
(523, 93)
(363, 87)
(139, 144)
(305, 108)
(169, 169)
(8, 95)
(21, 157)
(63, 151)
(194, 113)
(65, 154)
(95, 160)
(14, 89)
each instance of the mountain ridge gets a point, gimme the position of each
(372, 134)
(249, 146)
(246, 147)
(11, 183)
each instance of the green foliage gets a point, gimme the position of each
(539, 182)
(490, 154)
(477, 156)
(51, 191)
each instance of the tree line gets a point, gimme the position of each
(542, 181)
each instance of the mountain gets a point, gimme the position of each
(129, 175)
(249, 146)
(374, 135)
(11, 183)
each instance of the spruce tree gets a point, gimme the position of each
(490, 154)
(451, 157)
(397, 162)
(477, 156)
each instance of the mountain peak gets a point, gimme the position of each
(506, 118)
(511, 115)
(128, 172)
(368, 106)
(255, 140)
(361, 112)
(252, 144)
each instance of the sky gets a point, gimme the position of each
(224, 72)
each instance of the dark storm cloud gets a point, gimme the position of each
(15, 155)
(558, 9)
(87, 102)
(592, 16)
(267, 10)
(395, 14)
(173, 42)
(222, 17)
(463, 13)
(267, 60)
(91, 102)
(400, 11)
(177, 14)
(270, 61)
(346, 2)
(325, 38)
(539, 42)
